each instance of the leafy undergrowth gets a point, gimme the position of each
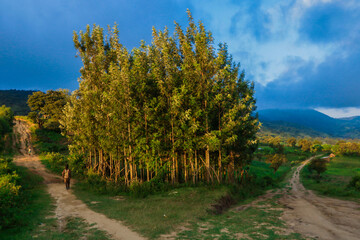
(49, 141)
(335, 180)
(258, 221)
(28, 204)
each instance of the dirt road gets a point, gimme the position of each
(319, 217)
(66, 203)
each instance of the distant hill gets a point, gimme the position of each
(16, 99)
(297, 122)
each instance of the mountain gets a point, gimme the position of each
(309, 122)
(16, 99)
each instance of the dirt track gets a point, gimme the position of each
(319, 217)
(66, 202)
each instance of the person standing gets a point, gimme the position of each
(66, 174)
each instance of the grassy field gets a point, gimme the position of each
(257, 221)
(334, 180)
(156, 214)
(171, 211)
(35, 218)
(184, 206)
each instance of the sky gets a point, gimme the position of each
(299, 53)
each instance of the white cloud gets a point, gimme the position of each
(281, 43)
(340, 112)
(309, 3)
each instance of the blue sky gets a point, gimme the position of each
(299, 53)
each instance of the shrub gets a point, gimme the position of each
(9, 195)
(95, 182)
(276, 161)
(319, 165)
(77, 164)
(56, 161)
(355, 183)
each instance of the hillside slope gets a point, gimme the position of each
(17, 100)
(309, 122)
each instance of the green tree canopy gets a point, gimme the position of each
(179, 108)
(47, 108)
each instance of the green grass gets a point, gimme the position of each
(260, 221)
(36, 218)
(262, 169)
(334, 180)
(168, 211)
(163, 213)
(156, 214)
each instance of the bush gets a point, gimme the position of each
(95, 182)
(50, 141)
(355, 183)
(56, 161)
(77, 164)
(319, 165)
(9, 195)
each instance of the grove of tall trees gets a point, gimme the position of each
(178, 109)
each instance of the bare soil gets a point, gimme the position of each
(67, 205)
(319, 217)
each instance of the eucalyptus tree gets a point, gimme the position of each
(178, 108)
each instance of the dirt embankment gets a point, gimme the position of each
(66, 203)
(319, 217)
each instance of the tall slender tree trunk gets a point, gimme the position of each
(196, 167)
(185, 168)
(220, 166)
(173, 153)
(231, 168)
(192, 168)
(207, 162)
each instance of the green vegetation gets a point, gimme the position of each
(156, 214)
(335, 180)
(177, 108)
(164, 211)
(10, 199)
(318, 164)
(259, 221)
(6, 118)
(26, 204)
(308, 123)
(46, 141)
(26, 209)
(16, 100)
(46, 108)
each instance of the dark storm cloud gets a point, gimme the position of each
(334, 83)
(329, 22)
(36, 48)
(257, 20)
